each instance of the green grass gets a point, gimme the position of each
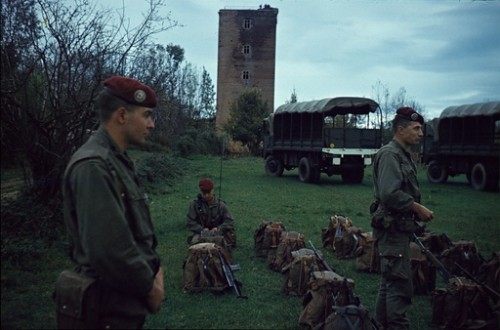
(461, 213)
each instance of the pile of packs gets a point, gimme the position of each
(471, 298)
(328, 298)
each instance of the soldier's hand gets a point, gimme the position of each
(157, 293)
(424, 214)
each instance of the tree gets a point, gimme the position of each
(57, 57)
(207, 96)
(293, 97)
(245, 122)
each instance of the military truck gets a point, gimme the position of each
(464, 139)
(333, 136)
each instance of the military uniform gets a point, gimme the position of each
(108, 220)
(395, 189)
(210, 215)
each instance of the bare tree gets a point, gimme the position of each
(48, 99)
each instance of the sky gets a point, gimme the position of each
(442, 53)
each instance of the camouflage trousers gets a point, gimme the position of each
(396, 289)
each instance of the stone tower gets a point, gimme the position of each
(246, 57)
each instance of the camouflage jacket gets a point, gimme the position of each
(214, 214)
(395, 178)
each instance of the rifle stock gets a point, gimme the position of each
(320, 259)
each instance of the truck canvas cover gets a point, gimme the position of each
(469, 110)
(332, 106)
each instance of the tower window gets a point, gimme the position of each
(247, 24)
(245, 75)
(246, 49)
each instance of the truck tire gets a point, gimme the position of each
(273, 166)
(436, 172)
(308, 172)
(483, 178)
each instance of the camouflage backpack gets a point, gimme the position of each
(295, 276)
(326, 289)
(289, 241)
(366, 260)
(266, 238)
(336, 227)
(463, 305)
(202, 269)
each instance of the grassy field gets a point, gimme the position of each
(460, 211)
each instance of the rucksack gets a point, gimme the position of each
(296, 275)
(366, 260)
(348, 242)
(326, 289)
(336, 227)
(218, 239)
(289, 241)
(202, 269)
(349, 317)
(435, 242)
(489, 272)
(423, 271)
(267, 237)
(463, 305)
(463, 253)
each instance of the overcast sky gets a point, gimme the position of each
(442, 52)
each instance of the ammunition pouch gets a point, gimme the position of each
(77, 301)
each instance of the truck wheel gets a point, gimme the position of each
(307, 172)
(273, 166)
(436, 173)
(483, 178)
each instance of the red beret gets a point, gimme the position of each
(409, 114)
(206, 185)
(131, 91)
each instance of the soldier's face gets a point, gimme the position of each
(207, 195)
(411, 134)
(139, 124)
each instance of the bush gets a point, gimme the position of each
(159, 171)
(196, 142)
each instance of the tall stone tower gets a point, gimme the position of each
(246, 58)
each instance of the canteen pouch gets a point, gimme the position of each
(77, 301)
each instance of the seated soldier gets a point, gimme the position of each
(209, 216)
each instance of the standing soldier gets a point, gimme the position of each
(108, 219)
(395, 212)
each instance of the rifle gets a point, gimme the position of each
(445, 274)
(228, 273)
(469, 275)
(320, 259)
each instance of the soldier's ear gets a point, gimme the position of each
(120, 115)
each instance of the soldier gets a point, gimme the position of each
(209, 215)
(397, 201)
(107, 214)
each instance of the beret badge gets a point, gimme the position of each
(140, 96)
